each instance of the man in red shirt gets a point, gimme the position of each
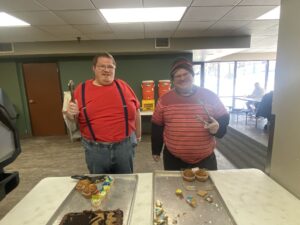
(187, 119)
(108, 115)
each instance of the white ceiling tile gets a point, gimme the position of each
(80, 16)
(260, 2)
(39, 18)
(127, 27)
(159, 27)
(229, 25)
(247, 12)
(106, 4)
(194, 26)
(205, 13)
(94, 28)
(66, 5)
(24, 34)
(215, 2)
(17, 5)
(54, 20)
(259, 25)
(63, 29)
(160, 30)
(166, 3)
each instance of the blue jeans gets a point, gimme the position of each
(110, 158)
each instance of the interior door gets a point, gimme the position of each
(44, 98)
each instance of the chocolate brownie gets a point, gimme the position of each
(99, 217)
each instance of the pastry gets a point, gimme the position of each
(201, 175)
(93, 189)
(202, 193)
(81, 184)
(179, 193)
(188, 175)
(110, 217)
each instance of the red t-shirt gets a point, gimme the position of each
(185, 137)
(105, 111)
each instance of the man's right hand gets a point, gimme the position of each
(72, 109)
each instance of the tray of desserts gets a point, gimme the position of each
(187, 197)
(97, 201)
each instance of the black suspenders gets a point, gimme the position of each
(85, 113)
(87, 118)
(124, 107)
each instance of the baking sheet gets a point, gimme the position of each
(121, 195)
(179, 211)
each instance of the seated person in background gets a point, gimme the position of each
(265, 108)
(257, 93)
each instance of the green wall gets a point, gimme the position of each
(10, 83)
(131, 68)
(77, 70)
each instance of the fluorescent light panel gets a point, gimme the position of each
(7, 20)
(273, 14)
(134, 15)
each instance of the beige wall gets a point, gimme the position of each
(285, 162)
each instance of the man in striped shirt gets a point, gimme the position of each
(187, 119)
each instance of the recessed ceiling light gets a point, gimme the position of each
(273, 14)
(133, 15)
(7, 20)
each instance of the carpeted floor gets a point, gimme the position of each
(57, 156)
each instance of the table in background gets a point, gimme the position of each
(146, 113)
(257, 100)
(247, 112)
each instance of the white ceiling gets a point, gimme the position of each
(65, 20)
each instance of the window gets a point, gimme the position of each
(271, 76)
(197, 77)
(219, 78)
(249, 73)
(211, 71)
(226, 82)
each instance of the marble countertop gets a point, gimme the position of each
(251, 197)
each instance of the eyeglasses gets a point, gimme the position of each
(105, 67)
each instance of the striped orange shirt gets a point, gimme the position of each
(185, 136)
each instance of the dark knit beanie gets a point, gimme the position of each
(182, 63)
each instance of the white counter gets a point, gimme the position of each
(253, 198)
(146, 113)
(250, 195)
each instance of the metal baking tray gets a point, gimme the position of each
(179, 211)
(121, 195)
